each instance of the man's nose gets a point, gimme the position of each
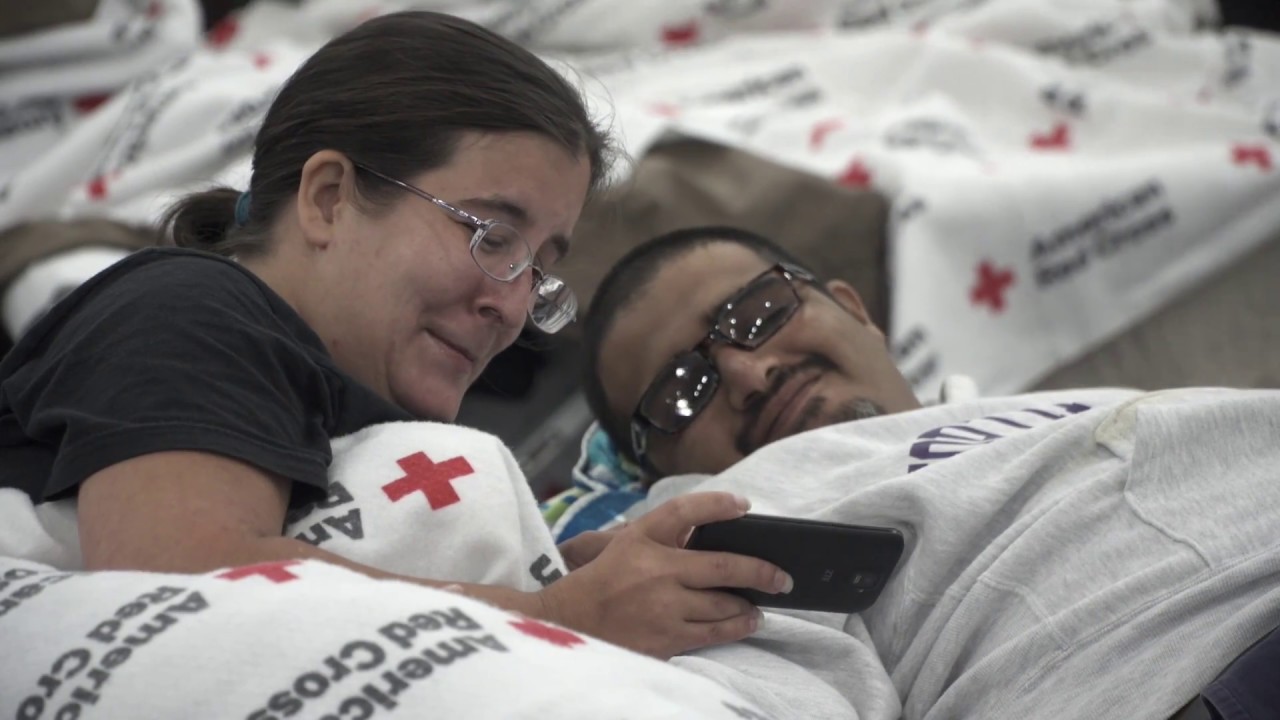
(744, 373)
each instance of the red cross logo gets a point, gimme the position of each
(97, 188)
(820, 132)
(222, 33)
(856, 175)
(542, 631)
(1252, 155)
(89, 103)
(1057, 139)
(276, 572)
(992, 284)
(685, 34)
(433, 479)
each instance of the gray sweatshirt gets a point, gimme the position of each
(1091, 554)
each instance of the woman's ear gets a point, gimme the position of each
(325, 189)
(849, 299)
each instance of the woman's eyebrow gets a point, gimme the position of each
(514, 213)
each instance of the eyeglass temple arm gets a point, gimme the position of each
(458, 212)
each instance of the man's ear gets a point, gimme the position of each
(325, 190)
(849, 299)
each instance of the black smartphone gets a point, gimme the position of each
(836, 567)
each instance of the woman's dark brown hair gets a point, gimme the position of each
(396, 94)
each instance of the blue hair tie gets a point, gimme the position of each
(242, 209)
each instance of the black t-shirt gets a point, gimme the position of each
(174, 349)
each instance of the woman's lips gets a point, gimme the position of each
(462, 354)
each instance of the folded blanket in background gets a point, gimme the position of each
(1058, 171)
(70, 58)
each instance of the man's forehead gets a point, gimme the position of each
(715, 271)
(688, 288)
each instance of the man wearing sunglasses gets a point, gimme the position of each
(1084, 554)
(715, 342)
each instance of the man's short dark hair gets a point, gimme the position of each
(625, 281)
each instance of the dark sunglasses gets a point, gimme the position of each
(685, 386)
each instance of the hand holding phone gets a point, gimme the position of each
(642, 590)
(836, 567)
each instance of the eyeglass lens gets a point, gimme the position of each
(552, 304)
(502, 254)
(500, 251)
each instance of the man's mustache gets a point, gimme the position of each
(757, 404)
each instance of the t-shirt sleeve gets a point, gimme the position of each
(197, 359)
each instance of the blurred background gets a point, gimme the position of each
(1035, 193)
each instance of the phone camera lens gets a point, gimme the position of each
(863, 579)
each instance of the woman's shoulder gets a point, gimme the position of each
(161, 284)
(171, 292)
(171, 275)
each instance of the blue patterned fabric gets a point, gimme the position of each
(604, 487)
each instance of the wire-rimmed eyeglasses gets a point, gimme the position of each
(501, 253)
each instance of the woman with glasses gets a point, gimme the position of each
(413, 184)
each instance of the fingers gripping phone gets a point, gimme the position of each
(836, 567)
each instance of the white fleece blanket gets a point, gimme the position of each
(1086, 554)
(1059, 168)
(311, 640)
